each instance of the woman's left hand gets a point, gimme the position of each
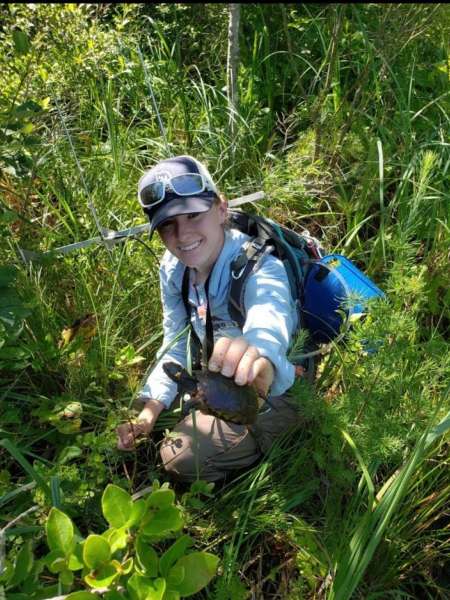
(236, 358)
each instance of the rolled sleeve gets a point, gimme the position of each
(158, 385)
(271, 320)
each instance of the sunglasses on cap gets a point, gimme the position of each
(187, 184)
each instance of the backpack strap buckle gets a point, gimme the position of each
(239, 263)
(250, 252)
(257, 244)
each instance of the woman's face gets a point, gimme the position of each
(196, 239)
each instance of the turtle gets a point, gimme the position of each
(215, 394)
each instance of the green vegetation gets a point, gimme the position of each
(107, 560)
(343, 121)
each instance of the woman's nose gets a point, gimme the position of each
(184, 228)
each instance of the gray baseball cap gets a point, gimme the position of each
(175, 186)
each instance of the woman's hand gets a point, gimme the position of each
(236, 358)
(129, 433)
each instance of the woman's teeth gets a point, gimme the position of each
(190, 247)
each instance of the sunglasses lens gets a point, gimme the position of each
(152, 194)
(185, 185)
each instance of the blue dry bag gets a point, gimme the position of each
(335, 292)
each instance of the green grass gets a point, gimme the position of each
(343, 122)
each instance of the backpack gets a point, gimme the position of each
(328, 291)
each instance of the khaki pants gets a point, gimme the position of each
(217, 447)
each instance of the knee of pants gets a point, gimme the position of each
(178, 459)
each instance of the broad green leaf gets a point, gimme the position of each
(176, 576)
(74, 563)
(116, 505)
(202, 487)
(81, 596)
(21, 41)
(163, 521)
(22, 565)
(161, 499)
(172, 595)
(172, 554)
(51, 557)
(157, 589)
(66, 577)
(102, 577)
(59, 529)
(58, 565)
(199, 569)
(147, 558)
(137, 512)
(137, 586)
(96, 551)
(112, 595)
(145, 588)
(117, 538)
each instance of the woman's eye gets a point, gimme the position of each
(166, 226)
(193, 215)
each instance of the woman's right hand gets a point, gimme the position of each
(129, 433)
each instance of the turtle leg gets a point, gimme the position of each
(188, 405)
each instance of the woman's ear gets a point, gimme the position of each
(223, 207)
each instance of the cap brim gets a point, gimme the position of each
(180, 205)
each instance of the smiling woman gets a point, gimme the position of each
(196, 239)
(185, 207)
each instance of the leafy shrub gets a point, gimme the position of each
(125, 561)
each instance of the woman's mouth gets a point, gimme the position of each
(190, 247)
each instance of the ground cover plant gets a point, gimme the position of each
(343, 120)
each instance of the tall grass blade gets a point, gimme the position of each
(350, 569)
(55, 491)
(381, 192)
(19, 457)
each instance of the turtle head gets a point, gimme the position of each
(186, 383)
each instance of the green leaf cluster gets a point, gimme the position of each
(122, 562)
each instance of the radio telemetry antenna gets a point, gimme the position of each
(108, 237)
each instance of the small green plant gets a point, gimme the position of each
(14, 354)
(125, 561)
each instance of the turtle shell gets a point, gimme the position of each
(215, 394)
(224, 399)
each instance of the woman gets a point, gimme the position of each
(185, 208)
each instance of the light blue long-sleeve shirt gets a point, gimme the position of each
(271, 317)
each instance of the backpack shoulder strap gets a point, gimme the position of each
(246, 262)
(196, 345)
(240, 269)
(268, 237)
